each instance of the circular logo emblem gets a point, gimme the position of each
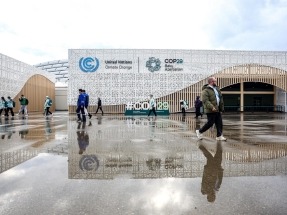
(153, 64)
(89, 64)
(89, 163)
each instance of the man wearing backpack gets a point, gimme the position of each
(10, 106)
(48, 103)
(23, 102)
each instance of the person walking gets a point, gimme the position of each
(3, 106)
(87, 104)
(197, 105)
(47, 104)
(80, 107)
(213, 106)
(10, 106)
(152, 106)
(24, 103)
(183, 106)
(99, 106)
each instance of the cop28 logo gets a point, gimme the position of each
(153, 64)
(89, 64)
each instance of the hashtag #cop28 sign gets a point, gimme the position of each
(89, 64)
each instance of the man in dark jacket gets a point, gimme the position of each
(99, 106)
(197, 105)
(213, 106)
(23, 102)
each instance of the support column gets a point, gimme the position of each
(274, 97)
(241, 96)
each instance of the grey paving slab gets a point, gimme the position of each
(114, 164)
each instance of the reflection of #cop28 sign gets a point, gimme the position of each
(89, 64)
(153, 64)
(145, 106)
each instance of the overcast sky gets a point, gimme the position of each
(35, 31)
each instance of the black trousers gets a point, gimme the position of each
(11, 110)
(197, 112)
(213, 118)
(183, 110)
(48, 111)
(81, 111)
(99, 107)
(152, 110)
(5, 111)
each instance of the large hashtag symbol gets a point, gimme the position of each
(129, 106)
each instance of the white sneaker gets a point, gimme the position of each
(198, 134)
(221, 138)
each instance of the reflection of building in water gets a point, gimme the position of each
(36, 133)
(11, 159)
(188, 166)
(59, 149)
(125, 149)
(256, 153)
(240, 125)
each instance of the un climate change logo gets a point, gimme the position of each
(89, 163)
(89, 64)
(153, 64)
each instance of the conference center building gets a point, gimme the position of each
(125, 78)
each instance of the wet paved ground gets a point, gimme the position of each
(134, 165)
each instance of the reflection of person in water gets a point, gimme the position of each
(2, 129)
(48, 129)
(81, 125)
(10, 129)
(152, 125)
(83, 141)
(23, 132)
(153, 163)
(183, 118)
(99, 120)
(213, 172)
(6, 127)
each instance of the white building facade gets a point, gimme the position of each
(120, 76)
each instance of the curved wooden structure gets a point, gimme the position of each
(35, 90)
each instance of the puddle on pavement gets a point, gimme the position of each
(133, 150)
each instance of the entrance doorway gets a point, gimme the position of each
(249, 96)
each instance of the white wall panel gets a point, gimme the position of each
(14, 74)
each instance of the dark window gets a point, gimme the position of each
(234, 87)
(257, 86)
